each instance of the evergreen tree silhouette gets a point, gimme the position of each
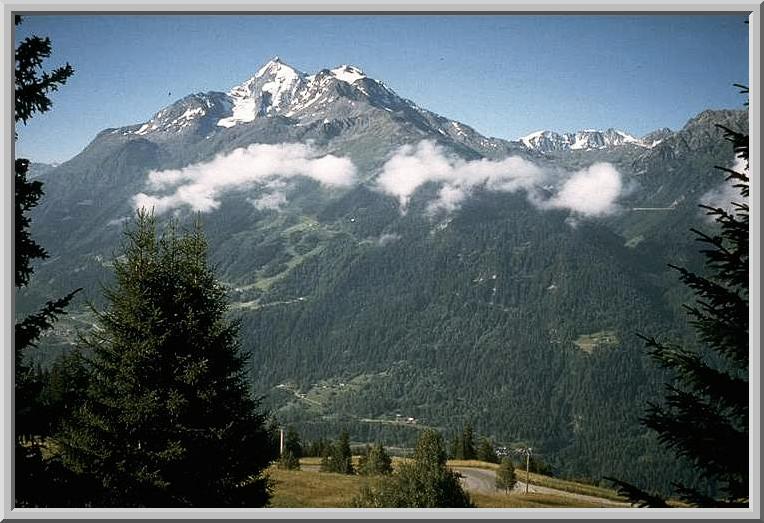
(168, 419)
(704, 417)
(35, 479)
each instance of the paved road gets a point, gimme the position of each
(484, 480)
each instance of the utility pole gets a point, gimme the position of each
(526, 451)
(281, 443)
(527, 469)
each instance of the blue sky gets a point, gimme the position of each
(505, 75)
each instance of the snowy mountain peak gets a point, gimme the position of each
(547, 141)
(183, 115)
(273, 88)
(274, 66)
(279, 90)
(347, 73)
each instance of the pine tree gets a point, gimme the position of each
(457, 448)
(363, 459)
(34, 477)
(292, 442)
(342, 458)
(468, 443)
(375, 461)
(425, 482)
(63, 389)
(704, 417)
(486, 452)
(168, 420)
(337, 457)
(290, 459)
(315, 448)
(326, 458)
(505, 475)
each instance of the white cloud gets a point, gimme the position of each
(740, 164)
(593, 191)
(200, 186)
(413, 166)
(723, 195)
(450, 198)
(272, 201)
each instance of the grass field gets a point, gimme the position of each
(589, 342)
(309, 489)
(313, 489)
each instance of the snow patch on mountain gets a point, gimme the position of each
(587, 139)
(274, 86)
(146, 128)
(279, 89)
(348, 73)
(181, 115)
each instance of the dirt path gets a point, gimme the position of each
(484, 480)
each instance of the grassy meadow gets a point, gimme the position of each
(309, 488)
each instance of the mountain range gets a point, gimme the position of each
(389, 263)
(548, 141)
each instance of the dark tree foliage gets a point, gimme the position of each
(456, 449)
(290, 458)
(30, 423)
(468, 443)
(337, 457)
(505, 475)
(168, 420)
(27, 195)
(486, 452)
(292, 442)
(637, 496)
(326, 458)
(316, 448)
(288, 461)
(463, 445)
(63, 389)
(704, 418)
(32, 85)
(375, 461)
(425, 482)
(34, 479)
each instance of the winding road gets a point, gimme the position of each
(484, 481)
